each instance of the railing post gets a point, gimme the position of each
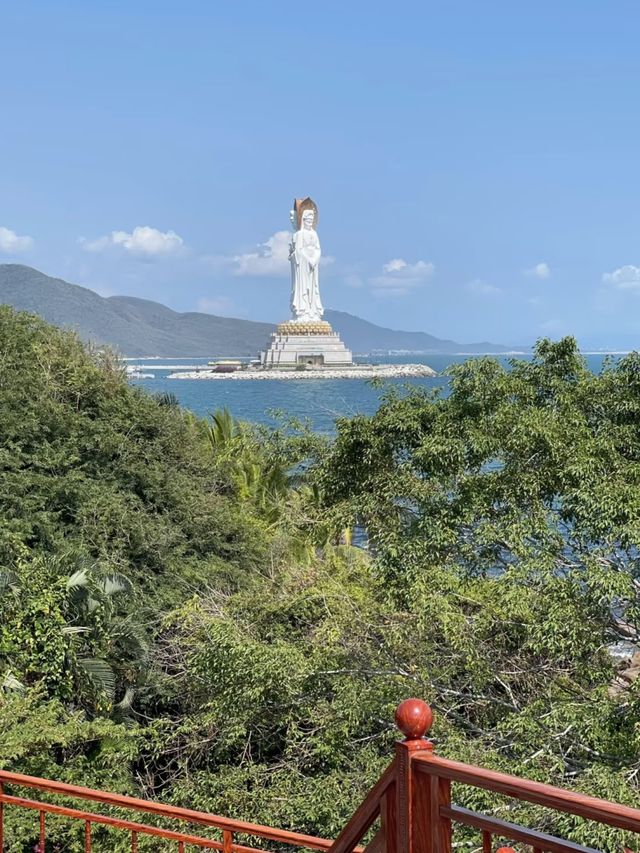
(227, 841)
(419, 798)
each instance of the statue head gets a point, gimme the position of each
(305, 207)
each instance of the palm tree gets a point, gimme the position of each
(113, 648)
(224, 430)
(167, 399)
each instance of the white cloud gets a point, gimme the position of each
(221, 305)
(482, 288)
(395, 265)
(270, 257)
(406, 270)
(624, 278)
(143, 240)
(400, 277)
(11, 243)
(541, 270)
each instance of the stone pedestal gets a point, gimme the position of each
(305, 346)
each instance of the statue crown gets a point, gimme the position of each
(300, 205)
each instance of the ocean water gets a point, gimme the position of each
(317, 402)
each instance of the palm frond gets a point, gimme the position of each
(101, 673)
(127, 700)
(11, 684)
(8, 581)
(115, 583)
(78, 580)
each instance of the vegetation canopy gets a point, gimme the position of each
(182, 615)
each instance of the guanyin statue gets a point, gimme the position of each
(305, 341)
(304, 254)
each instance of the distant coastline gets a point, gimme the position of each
(377, 354)
(139, 327)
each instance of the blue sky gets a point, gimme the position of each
(476, 164)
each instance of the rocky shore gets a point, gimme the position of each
(361, 371)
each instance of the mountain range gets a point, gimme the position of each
(141, 327)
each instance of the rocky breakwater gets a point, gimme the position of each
(361, 371)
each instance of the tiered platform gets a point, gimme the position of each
(305, 345)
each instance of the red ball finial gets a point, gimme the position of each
(414, 718)
(505, 850)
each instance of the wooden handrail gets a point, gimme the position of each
(582, 805)
(365, 814)
(117, 823)
(418, 817)
(504, 829)
(174, 812)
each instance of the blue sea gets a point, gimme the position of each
(317, 402)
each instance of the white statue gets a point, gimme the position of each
(304, 254)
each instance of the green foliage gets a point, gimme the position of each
(179, 618)
(282, 695)
(45, 737)
(505, 517)
(88, 460)
(111, 508)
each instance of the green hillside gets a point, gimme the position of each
(136, 327)
(141, 327)
(363, 336)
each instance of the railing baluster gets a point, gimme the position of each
(180, 846)
(227, 841)
(1, 819)
(42, 833)
(486, 842)
(388, 822)
(87, 836)
(134, 842)
(440, 827)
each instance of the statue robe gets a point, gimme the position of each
(305, 260)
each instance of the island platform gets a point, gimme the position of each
(356, 371)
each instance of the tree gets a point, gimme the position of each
(505, 516)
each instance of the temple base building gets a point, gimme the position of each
(305, 341)
(306, 345)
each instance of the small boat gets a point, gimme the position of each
(225, 365)
(134, 372)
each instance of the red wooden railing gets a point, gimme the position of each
(228, 829)
(411, 804)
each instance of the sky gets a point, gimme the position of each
(475, 164)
